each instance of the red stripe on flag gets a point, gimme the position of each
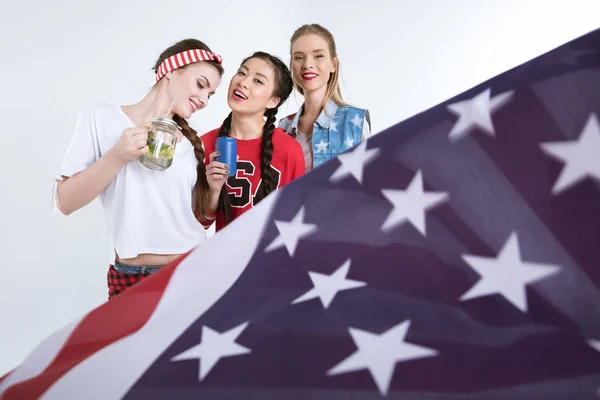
(121, 316)
(5, 375)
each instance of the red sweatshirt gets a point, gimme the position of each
(287, 161)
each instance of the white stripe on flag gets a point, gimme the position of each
(39, 359)
(201, 279)
(185, 57)
(193, 54)
(180, 60)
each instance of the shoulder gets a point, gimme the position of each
(352, 113)
(102, 120)
(285, 122)
(289, 118)
(352, 110)
(285, 142)
(210, 137)
(208, 140)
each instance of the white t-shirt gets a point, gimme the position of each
(146, 211)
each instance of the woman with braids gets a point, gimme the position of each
(325, 125)
(267, 157)
(152, 216)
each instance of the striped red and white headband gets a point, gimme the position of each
(184, 58)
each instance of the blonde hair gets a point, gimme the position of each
(333, 84)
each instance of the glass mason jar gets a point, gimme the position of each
(162, 138)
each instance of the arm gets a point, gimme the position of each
(78, 189)
(213, 206)
(216, 175)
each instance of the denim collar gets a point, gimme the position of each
(324, 119)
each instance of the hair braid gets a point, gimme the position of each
(201, 189)
(266, 154)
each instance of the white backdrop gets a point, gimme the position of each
(398, 58)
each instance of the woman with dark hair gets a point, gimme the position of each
(267, 157)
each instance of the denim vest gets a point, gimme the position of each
(337, 129)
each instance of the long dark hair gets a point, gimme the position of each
(283, 87)
(201, 190)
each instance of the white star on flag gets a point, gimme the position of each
(321, 147)
(595, 344)
(477, 113)
(581, 157)
(506, 274)
(213, 347)
(327, 286)
(356, 121)
(349, 142)
(411, 204)
(291, 232)
(353, 162)
(380, 353)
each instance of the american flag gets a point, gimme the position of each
(455, 255)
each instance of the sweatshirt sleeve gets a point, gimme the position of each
(83, 151)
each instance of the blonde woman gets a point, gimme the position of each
(325, 125)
